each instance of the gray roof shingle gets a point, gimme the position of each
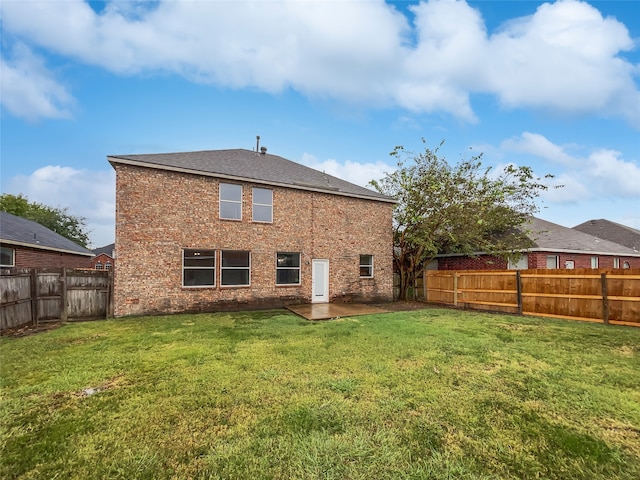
(18, 230)
(612, 231)
(247, 165)
(553, 237)
(107, 249)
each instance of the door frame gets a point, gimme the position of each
(324, 264)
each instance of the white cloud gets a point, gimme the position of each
(86, 193)
(564, 57)
(602, 173)
(538, 145)
(29, 90)
(613, 175)
(354, 172)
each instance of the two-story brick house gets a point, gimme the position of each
(211, 230)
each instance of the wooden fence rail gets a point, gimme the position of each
(595, 295)
(31, 296)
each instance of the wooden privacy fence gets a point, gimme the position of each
(32, 296)
(595, 295)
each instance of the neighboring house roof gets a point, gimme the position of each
(551, 237)
(107, 250)
(27, 233)
(554, 237)
(247, 165)
(612, 231)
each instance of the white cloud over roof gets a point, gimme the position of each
(564, 58)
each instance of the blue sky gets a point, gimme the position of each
(334, 85)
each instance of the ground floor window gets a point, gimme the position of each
(7, 257)
(287, 268)
(552, 261)
(366, 266)
(198, 268)
(235, 268)
(594, 262)
(616, 263)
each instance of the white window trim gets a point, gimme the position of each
(299, 268)
(235, 268)
(215, 263)
(595, 262)
(254, 204)
(616, 262)
(221, 201)
(13, 258)
(367, 266)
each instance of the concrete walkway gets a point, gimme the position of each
(325, 311)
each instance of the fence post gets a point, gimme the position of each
(64, 311)
(455, 289)
(34, 296)
(424, 284)
(605, 300)
(519, 290)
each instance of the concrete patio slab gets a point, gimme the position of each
(325, 311)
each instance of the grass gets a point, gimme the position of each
(428, 394)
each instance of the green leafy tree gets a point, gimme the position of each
(57, 219)
(463, 208)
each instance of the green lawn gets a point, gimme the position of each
(427, 394)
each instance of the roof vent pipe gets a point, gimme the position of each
(263, 150)
(257, 143)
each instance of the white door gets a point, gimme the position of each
(319, 281)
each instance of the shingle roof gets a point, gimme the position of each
(240, 164)
(20, 231)
(612, 231)
(107, 250)
(553, 237)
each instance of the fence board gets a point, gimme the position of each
(35, 295)
(597, 295)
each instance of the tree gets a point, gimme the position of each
(464, 209)
(57, 219)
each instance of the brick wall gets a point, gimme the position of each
(483, 262)
(159, 213)
(536, 260)
(26, 257)
(539, 260)
(104, 261)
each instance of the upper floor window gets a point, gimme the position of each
(235, 268)
(287, 268)
(230, 201)
(262, 205)
(198, 268)
(7, 257)
(366, 265)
